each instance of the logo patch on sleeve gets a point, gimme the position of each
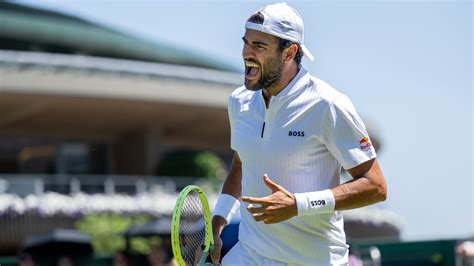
(365, 144)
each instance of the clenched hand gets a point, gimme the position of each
(277, 207)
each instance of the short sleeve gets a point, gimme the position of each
(345, 134)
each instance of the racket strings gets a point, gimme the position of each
(192, 229)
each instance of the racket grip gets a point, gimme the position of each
(208, 261)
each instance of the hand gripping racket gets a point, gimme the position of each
(191, 230)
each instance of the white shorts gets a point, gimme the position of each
(241, 254)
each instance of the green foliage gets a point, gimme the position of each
(191, 164)
(142, 245)
(106, 231)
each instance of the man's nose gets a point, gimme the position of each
(247, 52)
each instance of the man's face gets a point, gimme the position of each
(263, 60)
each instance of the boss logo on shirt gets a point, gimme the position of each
(315, 203)
(296, 133)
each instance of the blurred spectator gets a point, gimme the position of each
(355, 261)
(64, 261)
(159, 256)
(166, 246)
(354, 257)
(25, 259)
(465, 252)
(465, 249)
(121, 258)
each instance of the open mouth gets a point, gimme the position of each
(251, 70)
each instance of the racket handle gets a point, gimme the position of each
(206, 256)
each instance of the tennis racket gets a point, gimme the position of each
(191, 230)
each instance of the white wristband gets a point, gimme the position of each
(226, 206)
(315, 202)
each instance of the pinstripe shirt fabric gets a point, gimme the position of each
(302, 139)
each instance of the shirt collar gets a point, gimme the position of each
(297, 83)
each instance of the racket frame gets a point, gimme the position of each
(208, 239)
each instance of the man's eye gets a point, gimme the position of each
(260, 47)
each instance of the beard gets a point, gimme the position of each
(270, 74)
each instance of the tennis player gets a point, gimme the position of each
(291, 133)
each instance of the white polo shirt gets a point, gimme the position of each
(301, 141)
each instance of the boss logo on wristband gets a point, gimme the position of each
(309, 203)
(315, 203)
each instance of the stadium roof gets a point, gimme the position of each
(64, 77)
(34, 29)
(73, 96)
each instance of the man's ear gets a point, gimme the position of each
(290, 52)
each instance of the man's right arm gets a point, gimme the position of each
(233, 187)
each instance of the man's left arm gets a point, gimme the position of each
(367, 187)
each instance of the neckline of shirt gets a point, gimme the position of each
(295, 84)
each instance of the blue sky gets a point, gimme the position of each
(407, 66)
